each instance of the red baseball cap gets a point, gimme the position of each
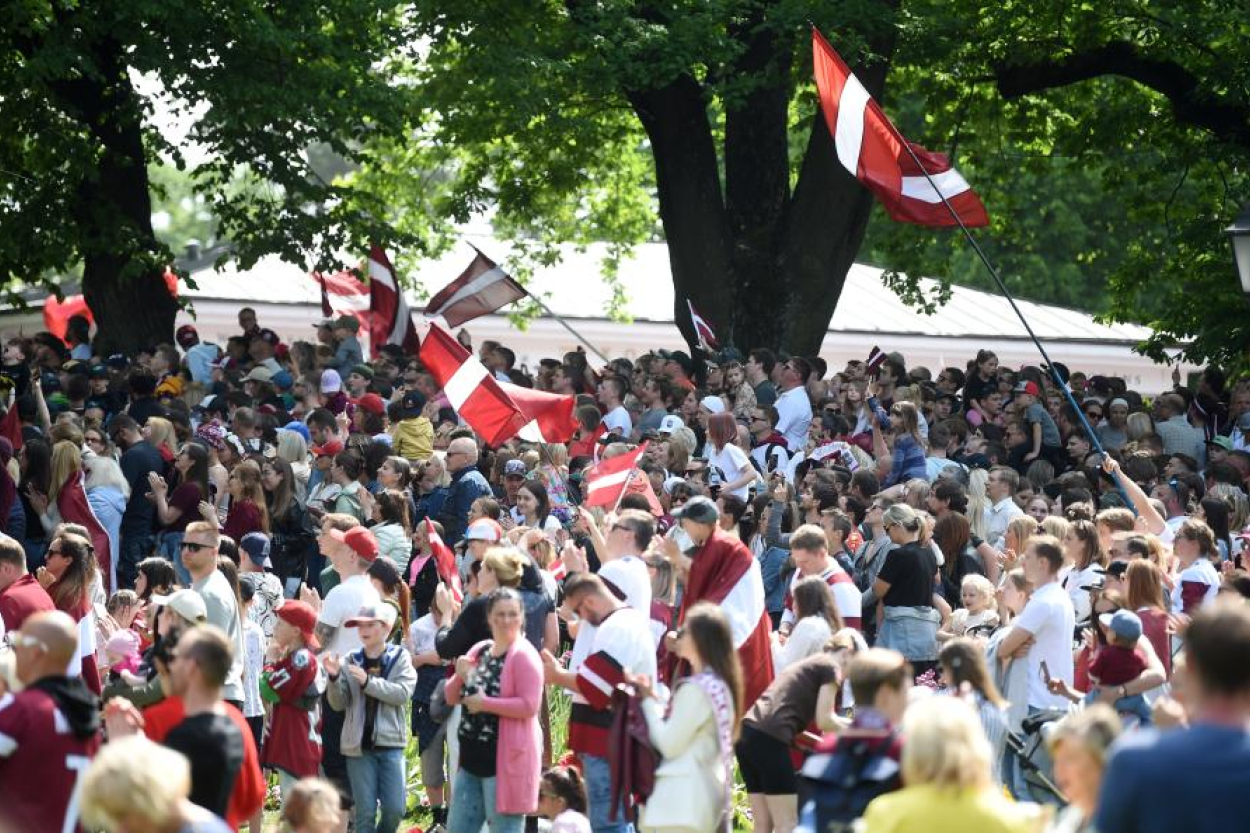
(360, 540)
(372, 403)
(1030, 388)
(332, 447)
(302, 616)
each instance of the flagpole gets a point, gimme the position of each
(1002, 287)
(566, 326)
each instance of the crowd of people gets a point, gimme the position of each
(267, 574)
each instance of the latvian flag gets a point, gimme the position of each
(607, 482)
(444, 561)
(342, 293)
(876, 358)
(703, 330)
(549, 415)
(871, 148)
(481, 289)
(390, 321)
(470, 388)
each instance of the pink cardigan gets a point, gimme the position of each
(518, 751)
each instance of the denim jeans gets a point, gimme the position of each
(134, 548)
(473, 802)
(598, 776)
(169, 547)
(377, 777)
(912, 631)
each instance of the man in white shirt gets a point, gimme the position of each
(794, 408)
(612, 398)
(1001, 488)
(199, 556)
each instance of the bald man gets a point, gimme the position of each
(467, 485)
(48, 732)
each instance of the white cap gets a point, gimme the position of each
(670, 424)
(713, 404)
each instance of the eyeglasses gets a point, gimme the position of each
(194, 547)
(1094, 414)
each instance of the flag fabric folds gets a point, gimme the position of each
(390, 321)
(703, 330)
(876, 358)
(608, 481)
(473, 392)
(72, 504)
(444, 561)
(871, 148)
(481, 289)
(550, 415)
(342, 293)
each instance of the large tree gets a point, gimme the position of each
(264, 82)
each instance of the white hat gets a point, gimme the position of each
(670, 424)
(713, 404)
(186, 603)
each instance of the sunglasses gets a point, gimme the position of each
(1094, 414)
(194, 547)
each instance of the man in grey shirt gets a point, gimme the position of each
(199, 556)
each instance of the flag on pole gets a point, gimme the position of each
(342, 293)
(703, 330)
(876, 358)
(607, 482)
(472, 391)
(550, 415)
(390, 319)
(872, 149)
(444, 561)
(326, 309)
(481, 289)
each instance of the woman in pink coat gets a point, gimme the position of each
(500, 684)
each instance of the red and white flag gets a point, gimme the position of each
(606, 483)
(481, 289)
(876, 358)
(470, 388)
(444, 561)
(73, 506)
(342, 293)
(703, 330)
(872, 149)
(390, 320)
(550, 415)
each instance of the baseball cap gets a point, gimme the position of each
(1030, 388)
(483, 529)
(330, 448)
(701, 510)
(359, 539)
(260, 373)
(671, 423)
(713, 404)
(372, 403)
(1223, 442)
(413, 404)
(98, 371)
(347, 322)
(302, 616)
(1123, 623)
(515, 468)
(186, 603)
(331, 381)
(384, 613)
(256, 545)
(363, 370)
(299, 428)
(186, 336)
(687, 364)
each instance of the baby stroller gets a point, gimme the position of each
(1029, 747)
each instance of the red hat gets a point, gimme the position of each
(186, 336)
(360, 540)
(331, 448)
(372, 403)
(302, 616)
(1030, 388)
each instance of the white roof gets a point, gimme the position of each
(572, 288)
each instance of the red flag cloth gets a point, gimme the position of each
(641, 485)
(342, 293)
(725, 573)
(444, 561)
(471, 390)
(11, 426)
(326, 309)
(550, 415)
(56, 314)
(390, 319)
(72, 504)
(872, 149)
(481, 289)
(703, 330)
(607, 482)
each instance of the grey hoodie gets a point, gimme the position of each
(392, 690)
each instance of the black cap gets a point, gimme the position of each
(413, 404)
(701, 510)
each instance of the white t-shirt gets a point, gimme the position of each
(342, 603)
(1049, 617)
(733, 463)
(551, 526)
(629, 575)
(618, 421)
(1074, 580)
(794, 417)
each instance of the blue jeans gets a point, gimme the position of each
(599, 793)
(474, 804)
(1134, 704)
(377, 778)
(169, 547)
(134, 548)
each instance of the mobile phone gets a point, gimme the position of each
(1045, 672)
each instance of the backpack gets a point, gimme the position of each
(840, 784)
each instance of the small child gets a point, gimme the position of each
(293, 682)
(980, 609)
(562, 798)
(1117, 662)
(122, 653)
(430, 732)
(253, 660)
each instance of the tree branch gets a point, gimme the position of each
(1225, 118)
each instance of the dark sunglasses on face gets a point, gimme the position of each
(194, 547)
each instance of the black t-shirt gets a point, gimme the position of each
(975, 389)
(909, 570)
(373, 667)
(214, 747)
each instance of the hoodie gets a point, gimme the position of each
(77, 702)
(414, 438)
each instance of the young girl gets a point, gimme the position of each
(738, 391)
(562, 798)
(248, 512)
(979, 611)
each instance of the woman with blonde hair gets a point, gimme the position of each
(947, 770)
(1079, 746)
(1139, 425)
(161, 434)
(137, 786)
(294, 449)
(978, 501)
(909, 618)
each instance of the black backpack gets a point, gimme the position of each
(839, 785)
